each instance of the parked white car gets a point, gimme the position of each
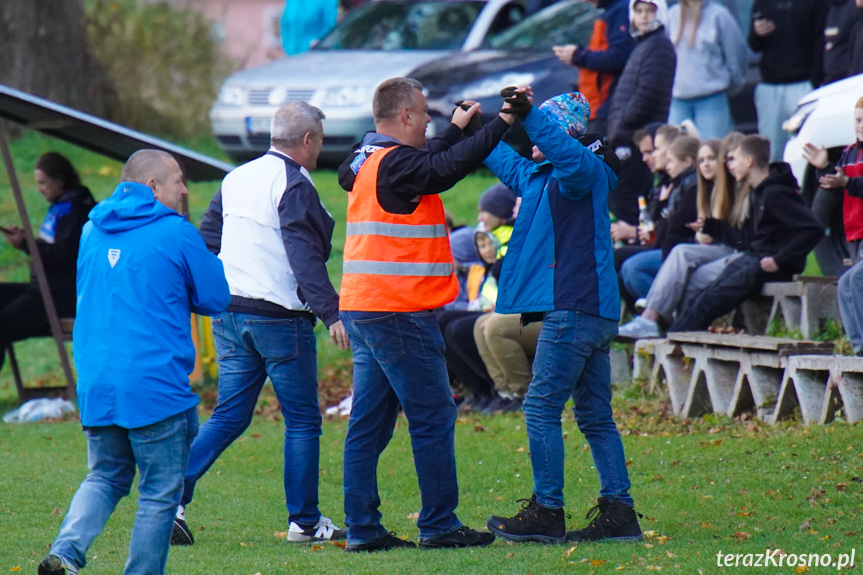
(825, 117)
(379, 40)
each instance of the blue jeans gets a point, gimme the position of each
(398, 359)
(250, 348)
(710, 114)
(851, 305)
(639, 271)
(572, 361)
(161, 451)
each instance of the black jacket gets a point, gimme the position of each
(841, 17)
(682, 209)
(788, 55)
(855, 46)
(58, 242)
(643, 93)
(408, 172)
(779, 225)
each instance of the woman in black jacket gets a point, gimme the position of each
(642, 96)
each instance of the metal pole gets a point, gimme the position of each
(44, 288)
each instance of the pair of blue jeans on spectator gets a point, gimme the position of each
(160, 451)
(250, 348)
(572, 360)
(398, 360)
(639, 270)
(710, 114)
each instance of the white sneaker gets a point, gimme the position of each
(640, 304)
(639, 328)
(324, 530)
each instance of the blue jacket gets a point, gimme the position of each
(141, 269)
(560, 253)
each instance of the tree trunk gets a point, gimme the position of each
(45, 52)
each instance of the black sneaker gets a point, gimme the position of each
(611, 519)
(464, 536)
(533, 523)
(385, 543)
(51, 565)
(181, 535)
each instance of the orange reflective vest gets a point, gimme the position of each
(394, 262)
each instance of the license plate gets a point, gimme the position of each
(258, 125)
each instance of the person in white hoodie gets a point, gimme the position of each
(711, 65)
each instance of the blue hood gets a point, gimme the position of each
(130, 206)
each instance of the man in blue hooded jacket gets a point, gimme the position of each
(559, 268)
(142, 268)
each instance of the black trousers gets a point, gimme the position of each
(463, 361)
(22, 315)
(742, 279)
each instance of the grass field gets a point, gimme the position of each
(704, 486)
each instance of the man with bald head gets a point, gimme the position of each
(273, 235)
(142, 269)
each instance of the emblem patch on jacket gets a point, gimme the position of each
(113, 257)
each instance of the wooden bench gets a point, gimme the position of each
(721, 373)
(28, 393)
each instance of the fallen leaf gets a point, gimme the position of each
(339, 544)
(742, 536)
(280, 534)
(55, 512)
(414, 516)
(318, 548)
(478, 428)
(597, 562)
(802, 569)
(510, 555)
(16, 568)
(520, 449)
(571, 549)
(805, 525)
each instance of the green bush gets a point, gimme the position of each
(164, 62)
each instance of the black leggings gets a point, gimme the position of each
(22, 315)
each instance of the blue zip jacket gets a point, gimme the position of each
(560, 253)
(142, 268)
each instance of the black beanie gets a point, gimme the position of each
(499, 201)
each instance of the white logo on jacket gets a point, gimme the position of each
(113, 257)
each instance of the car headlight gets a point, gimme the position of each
(793, 124)
(345, 97)
(232, 95)
(493, 85)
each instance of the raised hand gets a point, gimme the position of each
(815, 156)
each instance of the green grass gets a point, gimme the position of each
(704, 486)
(38, 358)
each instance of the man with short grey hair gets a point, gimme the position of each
(273, 236)
(142, 268)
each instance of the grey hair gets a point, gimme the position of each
(146, 164)
(392, 96)
(293, 121)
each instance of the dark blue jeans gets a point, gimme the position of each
(398, 359)
(160, 451)
(572, 361)
(250, 348)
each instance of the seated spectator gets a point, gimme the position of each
(624, 228)
(664, 136)
(775, 240)
(846, 177)
(22, 311)
(689, 268)
(680, 197)
(463, 247)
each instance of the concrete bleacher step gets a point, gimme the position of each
(734, 373)
(804, 304)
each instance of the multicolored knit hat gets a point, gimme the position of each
(570, 112)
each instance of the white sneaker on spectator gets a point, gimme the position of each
(324, 530)
(639, 328)
(640, 304)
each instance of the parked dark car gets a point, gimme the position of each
(523, 55)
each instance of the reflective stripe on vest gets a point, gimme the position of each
(394, 262)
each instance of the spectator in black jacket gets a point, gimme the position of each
(776, 238)
(840, 20)
(642, 96)
(787, 34)
(22, 312)
(856, 43)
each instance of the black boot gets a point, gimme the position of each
(612, 520)
(533, 523)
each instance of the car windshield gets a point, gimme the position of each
(403, 25)
(562, 23)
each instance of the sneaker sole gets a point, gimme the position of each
(546, 539)
(623, 539)
(432, 547)
(309, 539)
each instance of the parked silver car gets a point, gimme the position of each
(379, 40)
